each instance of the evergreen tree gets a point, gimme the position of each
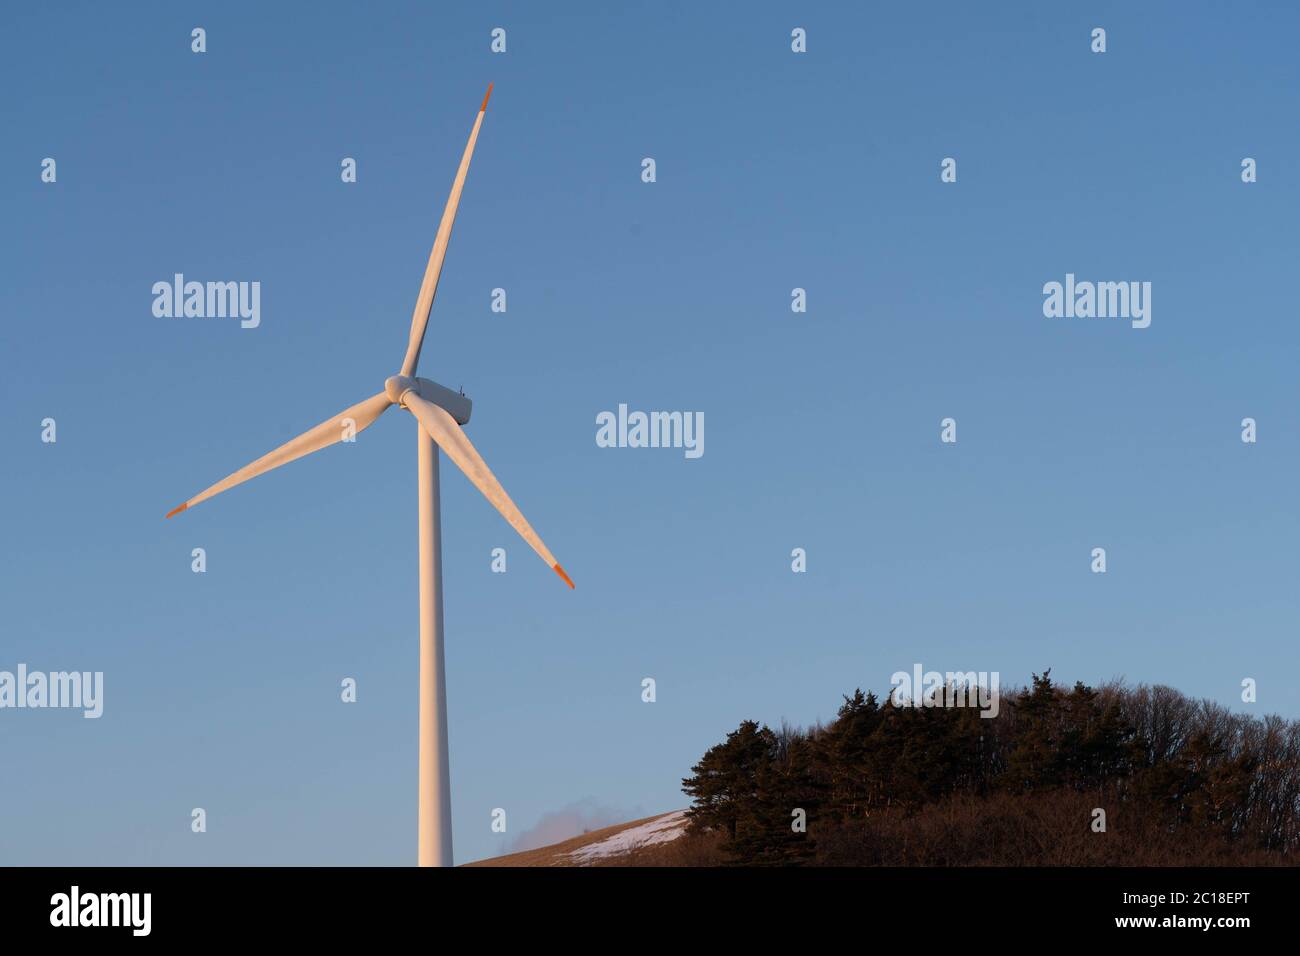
(724, 784)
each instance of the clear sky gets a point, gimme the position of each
(775, 170)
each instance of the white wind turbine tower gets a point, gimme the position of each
(440, 412)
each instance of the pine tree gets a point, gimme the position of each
(1036, 759)
(724, 783)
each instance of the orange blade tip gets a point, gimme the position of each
(178, 509)
(560, 571)
(483, 108)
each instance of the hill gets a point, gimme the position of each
(617, 845)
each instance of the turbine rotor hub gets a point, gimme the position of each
(398, 385)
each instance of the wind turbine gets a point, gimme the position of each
(439, 413)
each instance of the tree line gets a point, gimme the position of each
(1174, 779)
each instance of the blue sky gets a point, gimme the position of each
(775, 171)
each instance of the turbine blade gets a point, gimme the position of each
(424, 302)
(363, 414)
(442, 428)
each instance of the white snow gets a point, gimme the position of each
(659, 830)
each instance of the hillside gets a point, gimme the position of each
(607, 846)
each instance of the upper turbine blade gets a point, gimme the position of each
(442, 428)
(326, 433)
(420, 317)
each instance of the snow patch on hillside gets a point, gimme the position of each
(659, 830)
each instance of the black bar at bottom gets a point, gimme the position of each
(553, 904)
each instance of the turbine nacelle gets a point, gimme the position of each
(456, 404)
